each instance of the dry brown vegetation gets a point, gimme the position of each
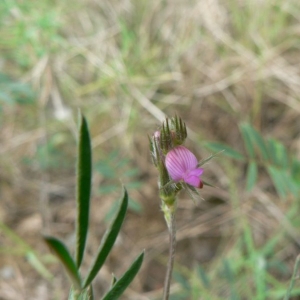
(127, 65)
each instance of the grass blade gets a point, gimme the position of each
(66, 259)
(251, 176)
(84, 174)
(247, 140)
(26, 250)
(278, 154)
(258, 141)
(278, 180)
(108, 241)
(119, 287)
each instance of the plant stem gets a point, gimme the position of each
(172, 250)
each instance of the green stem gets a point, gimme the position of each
(172, 250)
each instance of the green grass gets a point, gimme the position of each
(230, 70)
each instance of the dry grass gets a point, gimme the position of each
(126, 65)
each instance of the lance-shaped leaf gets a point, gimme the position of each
(66, 259)
(84, 171)
(278, 180)
(121, 284)
(251, 175)
(247, 140)
(108, 241)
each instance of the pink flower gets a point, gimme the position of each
(181, 164)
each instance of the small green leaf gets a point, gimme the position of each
(291, 186)
(251, 176)
(108, 240)
(247, 140)
(84, 174)
(296, 171)
(258, 141)
(66, 259)
(278, 180)
(228, 151)
(278, 153)
(119, 287)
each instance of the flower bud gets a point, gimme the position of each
(176, 164)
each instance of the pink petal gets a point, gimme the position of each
(193, 177)
(179, 161)
(196, 172)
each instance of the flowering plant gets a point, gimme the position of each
(178, 168)
(81, 288)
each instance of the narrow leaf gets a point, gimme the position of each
(119, 287)
(295, 170)
(251, 176)
(66, 259)
(278, 153)
(292, 187)
(228, 151)
(38, 265)
(247, 140)
(258, 141)
(278, 180)
(84, 174)
(108, 240)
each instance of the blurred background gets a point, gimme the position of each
(229, 69)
